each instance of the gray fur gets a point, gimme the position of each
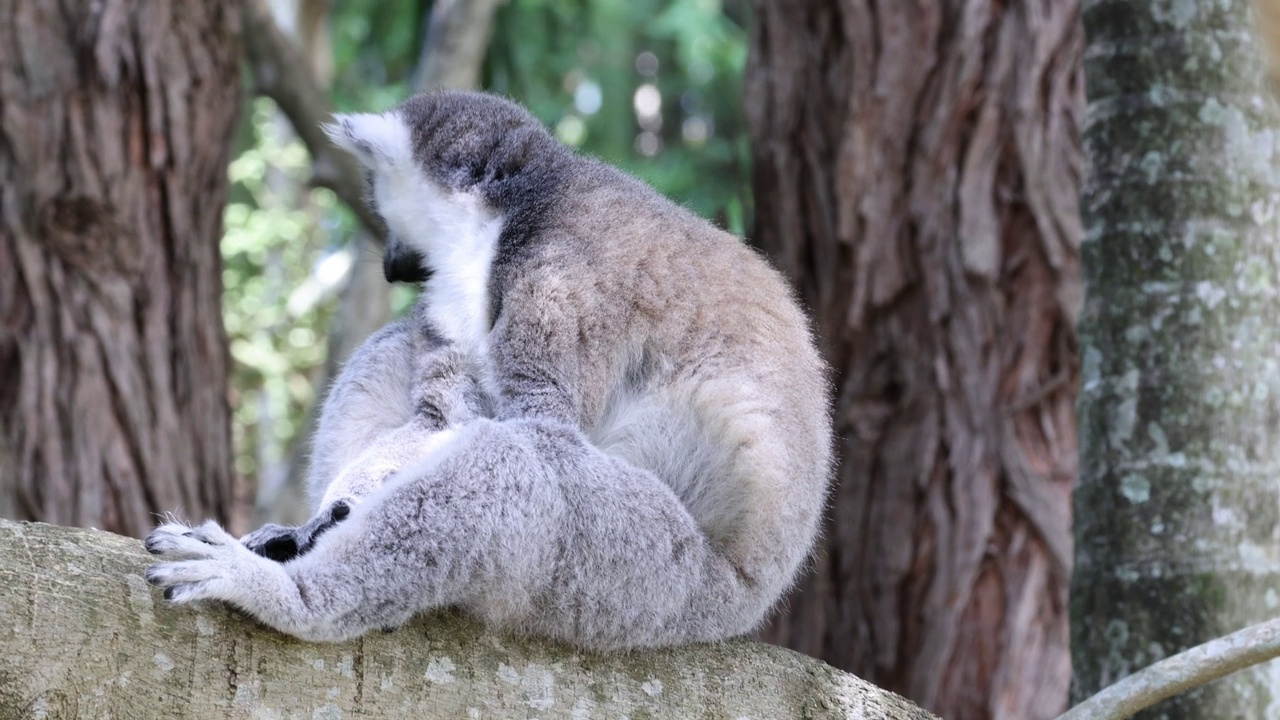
(660, 446)
(387, 409)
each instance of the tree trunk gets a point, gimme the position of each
(116, 120)
(1178, 503)
(917, 168)
(136, 657)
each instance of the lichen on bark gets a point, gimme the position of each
(1176, 505)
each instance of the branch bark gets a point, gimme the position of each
(458, 33)
(1189, 669)
(132, 656)
(282, 73)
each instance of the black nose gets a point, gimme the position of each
(401, 264)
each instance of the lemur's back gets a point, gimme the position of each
(696, 363)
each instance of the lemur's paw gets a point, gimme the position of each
(324, 521)
(283, 543)
(274, 542)
(187, 580)
(205, 561)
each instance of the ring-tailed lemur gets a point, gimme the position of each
(660, 447)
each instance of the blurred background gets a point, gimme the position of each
(1038, 492)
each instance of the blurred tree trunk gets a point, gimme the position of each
(1178, 504)
(917, 168)
(457, 39)
(364, 304)
(116, 120)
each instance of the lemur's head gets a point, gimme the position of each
(446, 165)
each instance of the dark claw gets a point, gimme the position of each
(150, 545)
(168, 593)
(151, 576)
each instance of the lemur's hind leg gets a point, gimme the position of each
(389, 408)
(414, 544)
(522, 523)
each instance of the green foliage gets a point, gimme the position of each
(375, 48)
(587, 69)
(276, 232)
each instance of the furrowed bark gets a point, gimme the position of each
(116, 119)
(917, 167)
(85, 636)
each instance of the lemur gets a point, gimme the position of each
(609, 423)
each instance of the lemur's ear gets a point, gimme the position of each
(374, 138)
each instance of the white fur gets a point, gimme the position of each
(459, 237)
(373, 138)
(400, 449)
(456, 232)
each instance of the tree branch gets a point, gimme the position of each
(458, 34)
(85, 636)
(284, 75)
(1186, 670)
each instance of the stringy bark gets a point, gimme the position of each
(116, 119)
(917, 174)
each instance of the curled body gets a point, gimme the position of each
(607, 423)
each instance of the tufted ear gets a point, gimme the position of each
(376, 139)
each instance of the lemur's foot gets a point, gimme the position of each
(202, 562)
(283, 543)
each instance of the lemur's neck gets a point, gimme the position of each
(457, 293)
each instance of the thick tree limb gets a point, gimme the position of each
(85, 636)
(283, 74)
(458, 35)
(1186, 670)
